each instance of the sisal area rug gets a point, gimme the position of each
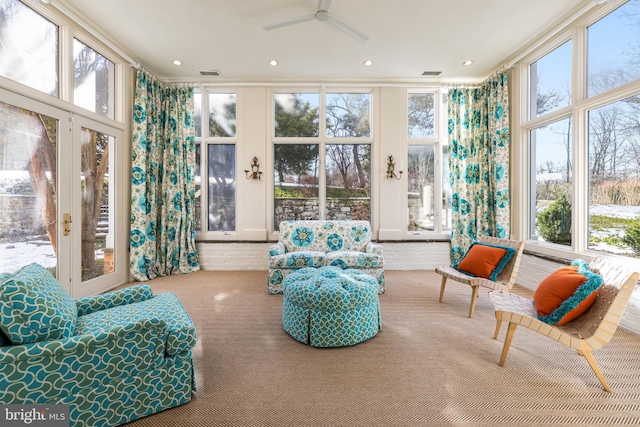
(430, 365)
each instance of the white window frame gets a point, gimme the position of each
(578, 110)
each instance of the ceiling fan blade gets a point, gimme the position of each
(324, 5)
(290, 22)
(352, 32)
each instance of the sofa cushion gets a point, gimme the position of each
(167, 307)
(35, 307)
(325, 236)
(298, 259)
(353, 259)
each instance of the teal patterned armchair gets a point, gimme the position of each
(344, 244)
(112, 358)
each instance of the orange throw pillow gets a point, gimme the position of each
(566, 293)
(486, 261)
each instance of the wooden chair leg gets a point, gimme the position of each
(474, 296)
(498, 325)
(442, 284)
(592, 362)
(507, 342)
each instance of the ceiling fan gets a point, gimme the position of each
(322, 14)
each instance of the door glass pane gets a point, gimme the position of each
(296, 175)
(613, 45)
(28, 200)
(348, 182)
(421, 180)
(296, 114)
(446, 190)
(197, 113)
(97, 204)
(551, 183)
(550, 81)
(28, 47)
(421, 113)
(198, 188)
(93, 80)
(222, 114)
(348, 115)
(222, 187)
(614, 185)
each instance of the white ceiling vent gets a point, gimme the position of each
(431, 73)
(209, 72)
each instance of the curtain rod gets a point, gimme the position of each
(85, 26)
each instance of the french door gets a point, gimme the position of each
(59, 190)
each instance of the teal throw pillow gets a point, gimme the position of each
(35, 307)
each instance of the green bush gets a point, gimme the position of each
(554, 223)
(632, 235)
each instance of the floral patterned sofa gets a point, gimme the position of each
(344, 244)
(112, 358)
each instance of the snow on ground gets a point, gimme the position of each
(615, 211)
(15, 255)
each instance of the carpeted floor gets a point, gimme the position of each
(430, 365)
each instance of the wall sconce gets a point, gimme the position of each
(391, 167)
(254, 173)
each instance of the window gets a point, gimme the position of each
(28, 48)
(215, 162)
(613, 45)
(421, 178)
(328, 177)
(583, 192)
(614, 171)
(551, 182)
(296, 177)
(551, 81)
(421, 115)
(93, 80)
(427, 176)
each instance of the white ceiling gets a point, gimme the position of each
(407, 37)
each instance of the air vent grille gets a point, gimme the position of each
(431, 73)
(209, 72)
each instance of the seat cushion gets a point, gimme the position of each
(167, 307)
(566, 293)
(485, 260)
(298, 259)
(35, 307)
(353, 259)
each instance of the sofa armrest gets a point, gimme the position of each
(276, 249)
(88, 305)
(80, 344)
(374, 248)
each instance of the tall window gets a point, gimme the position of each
(93, 80)
(322, 168)
(216, 162)
(28, 48)
(584, 191)
(428, 189)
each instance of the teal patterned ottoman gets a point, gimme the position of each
(331, 307)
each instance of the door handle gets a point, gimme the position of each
(66, 221)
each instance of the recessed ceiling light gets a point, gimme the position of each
(176, 62)
(368, 62)
(273, 62)
(467, 62)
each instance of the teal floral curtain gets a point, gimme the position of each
(479, 162)
(162, 239)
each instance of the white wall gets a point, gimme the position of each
(254, 256)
